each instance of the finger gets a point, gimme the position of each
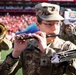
(42, 34)
(39, 38)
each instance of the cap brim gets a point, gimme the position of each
(51, 17)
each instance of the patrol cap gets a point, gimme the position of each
(48, 11)
(68, 9)
(63, 11)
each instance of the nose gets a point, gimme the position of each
(54, 27)
(57, 27)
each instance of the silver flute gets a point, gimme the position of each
(25, 37)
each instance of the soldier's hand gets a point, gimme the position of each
(19, 46)
(41, 39)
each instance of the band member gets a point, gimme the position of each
(35, 54)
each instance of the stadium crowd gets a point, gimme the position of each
(16, 23)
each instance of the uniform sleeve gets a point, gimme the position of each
(72, 46)
(8, 65)
(68, 46)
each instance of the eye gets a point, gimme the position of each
(50, 24)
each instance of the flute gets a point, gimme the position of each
(31, 29)
(25, 37)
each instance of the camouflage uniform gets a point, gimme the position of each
(68, 34)
(33, 62)
(68, 28)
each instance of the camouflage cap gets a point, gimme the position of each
(63, 11)
(48, 11)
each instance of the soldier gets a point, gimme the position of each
(63, 11)
(68, 33)
(68, 28)
(35, 54)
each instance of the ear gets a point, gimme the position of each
(38, 24)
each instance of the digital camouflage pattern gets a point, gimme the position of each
(68, 33)
(33, 62)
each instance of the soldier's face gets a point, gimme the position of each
(50, 27)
